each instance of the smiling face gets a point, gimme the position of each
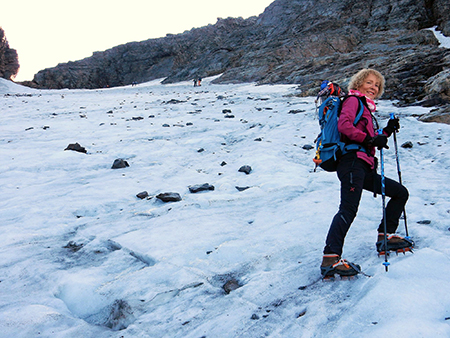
(370, 87)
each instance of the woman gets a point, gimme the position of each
(357, 171)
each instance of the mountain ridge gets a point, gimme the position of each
(294, 42)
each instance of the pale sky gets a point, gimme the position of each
(48, 32)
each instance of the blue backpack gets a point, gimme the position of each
(329, 147)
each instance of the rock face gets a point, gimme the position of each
(293, 41)
(9, 61)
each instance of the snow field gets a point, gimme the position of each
(75, 239)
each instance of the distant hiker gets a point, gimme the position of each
(199, 81)
(356, 171)
(195, 82)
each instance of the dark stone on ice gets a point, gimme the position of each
(242, 188)
(301, 314)
(120, 315)
(200, 187)
(169, 197)
(226, 111)
(173, 101)
(259, 139)
(245, 169)
(72, 246)
(223, 163)
(296, 111)
(119, 164)
(407, 145)
(76, 147)
(231, 285)
(307, 147)
(425, 221)
(254, 317)
(201, 150)
(229, 116)
(142, 195)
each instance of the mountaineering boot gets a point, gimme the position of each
(394, 243)
(333, 264)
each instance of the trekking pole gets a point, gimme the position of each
(383, 198)
(399, 175)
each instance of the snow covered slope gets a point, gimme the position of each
(9, 87)
(82, 256)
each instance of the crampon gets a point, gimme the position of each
(395, 243)
(338, 277)
(340, 267)
(404, 251)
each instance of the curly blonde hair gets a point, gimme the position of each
(358, 79)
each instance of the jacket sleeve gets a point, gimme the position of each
(347, 117)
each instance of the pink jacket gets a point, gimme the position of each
(356, 134)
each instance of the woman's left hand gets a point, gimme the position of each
(392, 125)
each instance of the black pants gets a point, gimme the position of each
(356, 175)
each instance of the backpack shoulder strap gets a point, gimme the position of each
(361, 104)
(360, 112)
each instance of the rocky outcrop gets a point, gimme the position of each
(438, 115)
(293, 41)
(9, 61)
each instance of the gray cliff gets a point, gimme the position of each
(294, 41)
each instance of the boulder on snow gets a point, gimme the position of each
(296, 111)
(72, 246)
(440, 115)
(142, 195)
(245, 169)
(169, 197)
(231, 285)
(200, 187)
(174, 101)
(76, 147)
(407, 145)
(119, 164)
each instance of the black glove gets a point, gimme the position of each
(379, 141)
(393, 125)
